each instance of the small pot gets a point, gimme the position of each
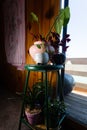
(59, 58)
(41, 58)
(53, 121)
(34, 49)
(34, 118)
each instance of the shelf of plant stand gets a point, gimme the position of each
(42, 126)
(43, 68)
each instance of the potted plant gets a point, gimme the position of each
(51, 43)
(56, 111)
(34, 102)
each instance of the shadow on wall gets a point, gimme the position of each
(3, 60)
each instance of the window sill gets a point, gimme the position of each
(80, 91)
(77, 107)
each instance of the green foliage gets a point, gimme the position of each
(56, 111)
(55, 107)
(61, 20)
(33, 17)
(36, 96)
(66, 16)
(58, 22)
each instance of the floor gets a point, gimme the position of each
(76, 103)
(9, 110)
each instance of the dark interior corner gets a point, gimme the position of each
(72, 124)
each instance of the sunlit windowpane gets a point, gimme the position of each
(77, 28)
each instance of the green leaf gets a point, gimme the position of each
(62, 19)
(58, 26)
(59, 21)
(33, 17)
(61, 14)
(66, 16)
(39, 46)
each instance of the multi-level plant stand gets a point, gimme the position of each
(44, 69)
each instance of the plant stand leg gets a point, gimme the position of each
(60, 85)
(46, 100)
(24, 94)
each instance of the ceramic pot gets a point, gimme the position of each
(34, 118)
(59, 58)
(38, 53)
(34, 49)
(69, 83)
(53, 121)
(41, 58)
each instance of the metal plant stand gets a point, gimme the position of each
(44, 69)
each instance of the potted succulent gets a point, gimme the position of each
(33, 106)
(34, 102)
(56, 111)
(52, 42)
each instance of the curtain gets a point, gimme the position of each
(14, 31)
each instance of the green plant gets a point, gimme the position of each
(56, 110)
(61, 20)
(56, 107)
(36, 95)
(35, 100)
(52, 42)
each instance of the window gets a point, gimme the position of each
(77, 28)
(77, 52)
